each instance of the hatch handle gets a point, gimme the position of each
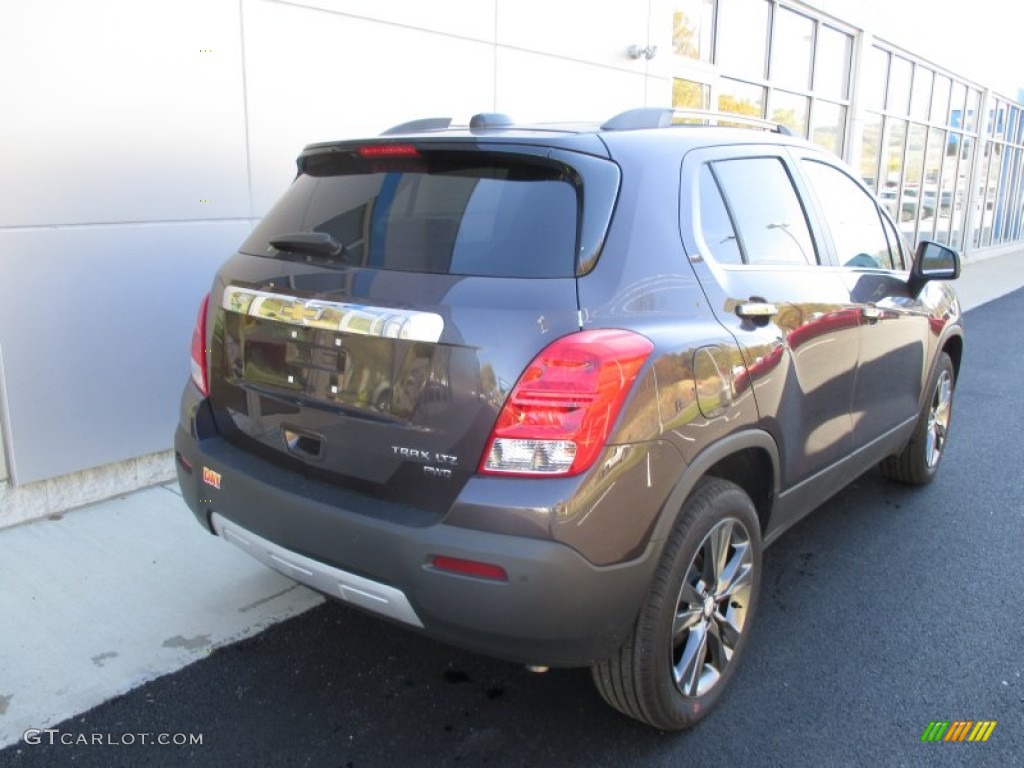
(304, 443)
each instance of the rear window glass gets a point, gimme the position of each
(441, 212)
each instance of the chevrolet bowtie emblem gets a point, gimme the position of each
(303, 312)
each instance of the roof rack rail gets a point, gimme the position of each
(419, 126)
(662, 117)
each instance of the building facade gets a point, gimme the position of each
(143, 140)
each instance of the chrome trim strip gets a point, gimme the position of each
(360, 319)
(369, 595)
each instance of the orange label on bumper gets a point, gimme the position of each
(211, 478)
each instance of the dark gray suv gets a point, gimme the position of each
(546, 392)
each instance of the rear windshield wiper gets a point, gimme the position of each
(313, 243)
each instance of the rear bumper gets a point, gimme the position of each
(365, 593)
(556, 608)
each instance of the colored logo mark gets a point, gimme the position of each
(958, 730)
(211, 478)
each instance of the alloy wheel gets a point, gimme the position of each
(938, 419)
(711, 610)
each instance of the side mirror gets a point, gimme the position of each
(932, 261)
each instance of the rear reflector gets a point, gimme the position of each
(561, 411)
(184, 463)
(469, 568)
(199, 350)
(388, 150)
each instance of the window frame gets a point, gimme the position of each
(694, 244)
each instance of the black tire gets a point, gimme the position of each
(682, 616)
(919, 460)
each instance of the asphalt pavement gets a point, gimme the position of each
(888, 608)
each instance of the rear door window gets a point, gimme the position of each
(715, 224)
(765, 211)
(444, 212)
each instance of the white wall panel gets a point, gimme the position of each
(317, 76)
(112, 113)
(3, 456)
(597, 32)
(533, 87)
(464, 18)
(95, 326)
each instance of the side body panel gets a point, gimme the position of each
(801, 359)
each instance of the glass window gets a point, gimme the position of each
(1003, 192)
(947, 190)
(832, 67)
(915, 156)
(891, 172)
(743, 37)
(876, 69)
(899, 85)
(688, 94)
(871, 150)
(828, 126)
(896, 244)
(962, 189)
(953, 139)
(468, 216)
(766, 211)
(741, 98)
(999, 120)
(985, 205)
(790, 110)
(715, 226)
(940, 100)
(990, 121)
(893, 159)
(931, 200)
(692, 26)
(956, 106)
(1014, 202)
(792, 43)
(921, 93)
(1013, 115)
(852, 218)
(973, 99)
(911, 206)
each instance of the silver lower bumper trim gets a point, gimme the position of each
(369, 595)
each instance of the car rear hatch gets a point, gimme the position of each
(369, 330)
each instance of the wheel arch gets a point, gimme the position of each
(954, 347)
(750, 459)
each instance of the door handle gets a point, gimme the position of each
(871, 314)
(756, 309)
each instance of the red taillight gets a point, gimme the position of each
(388, 150)
(469, 568)
(199, 350)
(560, 412)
